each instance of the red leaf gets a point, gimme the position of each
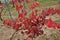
(32, 15)
(57, 25)
(34, 28)
(51, 10)
(21, 15)
(16, 24)
(25, 12)
(14, 1)
(24, 21)
(36, 3)
(27, 1)
(44, 12)
(49, 23)
(21, 6)
(17, 7)
(31, 7)
(7, 22)
(58, 11)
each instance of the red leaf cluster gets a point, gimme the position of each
(34, 4)
(32, 25)
(51, 11)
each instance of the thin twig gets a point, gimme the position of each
(13, 35)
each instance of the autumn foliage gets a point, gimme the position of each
(32, 25)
